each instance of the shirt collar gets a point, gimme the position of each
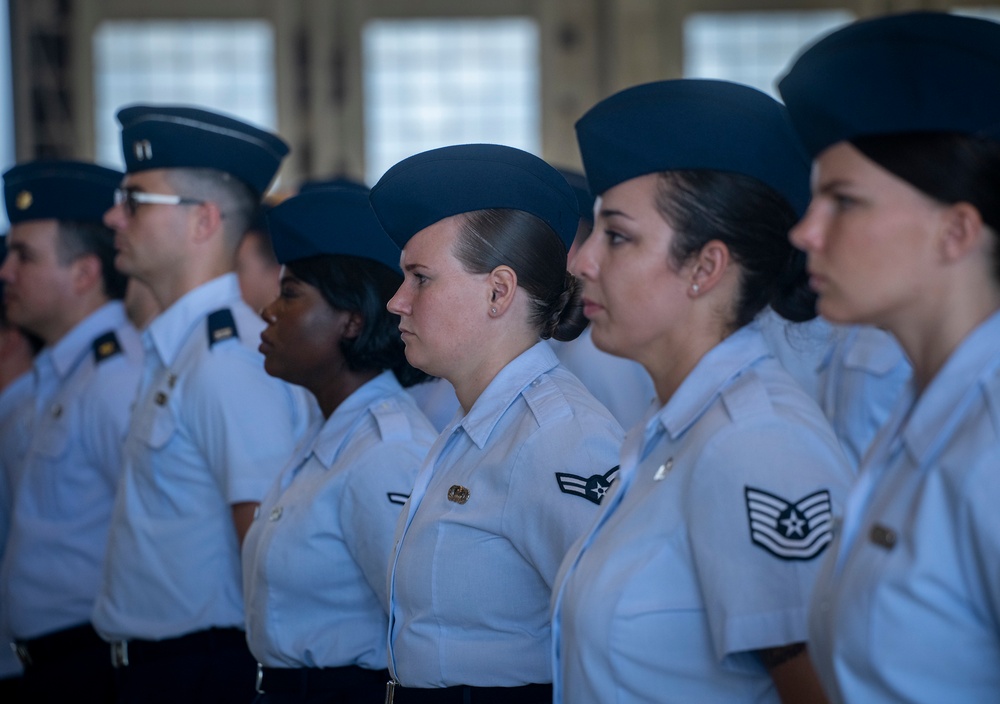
(338, 427)
(711, 375)
(974, 359)
(506, 386)
(75, 344)
(170, 329)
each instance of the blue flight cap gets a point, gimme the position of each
(329, 221)
(584, 199)
(62, 190)
(693, 124)
(333, 182)
(916, 72)
(431, 186)
(171, 137)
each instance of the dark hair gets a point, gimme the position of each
(753, 221)
(79, 239)
(522, 241)
(947, 166)
(357, 284)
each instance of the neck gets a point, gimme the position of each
(930, 340)
(170, 289)
(338, 387)
(78, 310)
(670, 364)
(472, 382)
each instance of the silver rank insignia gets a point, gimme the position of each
(592, 488)
(791, 531)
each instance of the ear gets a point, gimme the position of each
(208, 221)
(502, 283)
(963, 232)
(354, 324)
(86, 273)
(708, 267)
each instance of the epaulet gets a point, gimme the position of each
(221, 326)
(105, 346)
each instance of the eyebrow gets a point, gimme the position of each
(836, 183)
(610, 213)
(411, 267)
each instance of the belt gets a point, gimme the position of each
(308, 680)
(56, 646)
(464, 694)
(136, 652)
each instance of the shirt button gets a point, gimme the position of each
(276, 513)
(536, 382)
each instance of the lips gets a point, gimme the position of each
(265, 345)
(591, 308)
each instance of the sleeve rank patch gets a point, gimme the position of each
(395, 498)
(790, 530)
(592, 488)
(221, 326)
(106, 346)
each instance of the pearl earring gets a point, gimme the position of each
(493, 311)
(695, 288)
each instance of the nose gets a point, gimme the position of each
(807, 234)
(268, 313)
(399, 304)
(114, 217)
(6, 269)
(583, 262)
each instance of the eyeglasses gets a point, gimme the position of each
(132, 199)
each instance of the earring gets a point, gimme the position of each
(695, 288)
(493, 311)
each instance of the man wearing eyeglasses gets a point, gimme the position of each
(210, 429)
(60, 284)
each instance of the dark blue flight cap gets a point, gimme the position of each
(333, 182)
(431, 186)
(62, 190)
(329, 221)
(917, 72)
(693, 124)
(171, 137)
(584, 198)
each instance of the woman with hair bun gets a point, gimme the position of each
(902, 234)
(519, 473)
(692, 584)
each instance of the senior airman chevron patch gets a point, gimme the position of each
(791, 531)
(592, 488)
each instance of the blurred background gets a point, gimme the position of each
(356, 85)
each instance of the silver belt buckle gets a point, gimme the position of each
(21, 651)
(119, 653)
(260, 679)
(390, 691)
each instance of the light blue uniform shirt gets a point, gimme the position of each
(622, 385)
(84, 388)
(15, 421)
(210, 429)
(471, 578)
(907, 607)
(314, 560)
(862, 378)
(706, 549)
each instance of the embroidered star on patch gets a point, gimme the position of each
(791, 531)
(592, 488)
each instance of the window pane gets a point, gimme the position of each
(221, 65)
(430, 83)
(754, 48)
